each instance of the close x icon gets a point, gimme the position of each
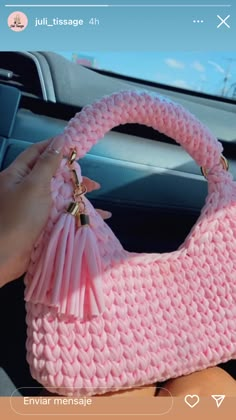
(223, 22)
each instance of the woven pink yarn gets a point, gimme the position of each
(165, 315)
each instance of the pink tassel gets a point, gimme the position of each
(76, 278)
(70, 271)
(44, 279)
(86, 295)
(94, 300)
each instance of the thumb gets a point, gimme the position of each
(48, 162)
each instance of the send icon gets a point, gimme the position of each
(218, 399)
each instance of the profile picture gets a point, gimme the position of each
(17, 21)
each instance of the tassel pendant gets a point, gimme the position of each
(84, 219)
(74, 286)
(86, 299)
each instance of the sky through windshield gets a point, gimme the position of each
(209, 72)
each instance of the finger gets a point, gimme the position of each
(48, 162)
(25, 161)
(104, 214)
(90, 184)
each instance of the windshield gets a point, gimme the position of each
(211, 73)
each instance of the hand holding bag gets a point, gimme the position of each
(103, 319)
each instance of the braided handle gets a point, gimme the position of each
(94, 121)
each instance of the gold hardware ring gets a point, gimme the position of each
(224, 162)
(80, 190)
(72, 157)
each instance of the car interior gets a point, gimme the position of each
(153, 188)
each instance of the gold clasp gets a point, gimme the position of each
(80, 189)
(77, 208)
(73, 208)
(76, 179)
(224, 162)
(72, 157)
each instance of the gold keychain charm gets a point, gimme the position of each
(77, 207)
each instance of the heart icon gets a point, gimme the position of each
(192, 400)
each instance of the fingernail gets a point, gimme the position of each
(108, 214)
(97, 185)
(57, 144)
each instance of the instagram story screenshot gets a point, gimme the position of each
(118, 209)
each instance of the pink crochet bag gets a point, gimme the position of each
(103, 319)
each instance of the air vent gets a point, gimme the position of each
(19, 70)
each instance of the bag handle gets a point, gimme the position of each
(142, 107)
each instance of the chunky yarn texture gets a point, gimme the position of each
(164, 315)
